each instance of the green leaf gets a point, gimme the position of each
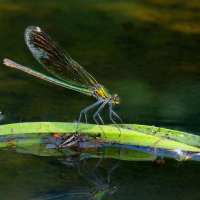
(179, 136)
(140, 135)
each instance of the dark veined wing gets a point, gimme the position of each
(54, 59)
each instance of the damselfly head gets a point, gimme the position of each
(115, 99)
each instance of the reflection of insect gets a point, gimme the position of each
(11, 141)
(71, 140)
(100, 188)
(69, 73)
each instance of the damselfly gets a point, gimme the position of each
(67, 72)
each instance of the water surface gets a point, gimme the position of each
(145, 51)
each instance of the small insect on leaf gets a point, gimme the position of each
(56, 135)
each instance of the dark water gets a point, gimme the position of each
(145, 51)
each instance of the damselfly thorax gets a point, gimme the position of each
(101, 92)
(67, 72)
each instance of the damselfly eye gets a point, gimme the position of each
(115, 99)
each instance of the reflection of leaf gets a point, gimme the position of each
(136, 142)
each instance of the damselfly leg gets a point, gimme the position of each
(111, 113)
(116, 115)
(85, 110)
(97, 113)
(100, 118)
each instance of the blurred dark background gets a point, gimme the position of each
(146, 51)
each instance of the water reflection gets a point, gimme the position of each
(79, 171)
(99, 188)
(145, 50)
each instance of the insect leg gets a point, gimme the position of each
(100, 119)
(85, 110)
(116, 115)
(111, 112)
(98, 111)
